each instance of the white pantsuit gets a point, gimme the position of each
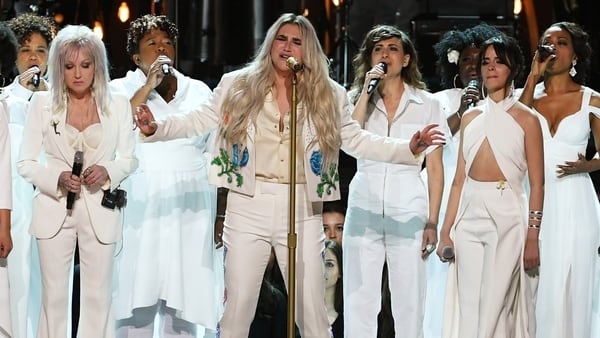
(388, 207)
(245, 233)
(95, 227)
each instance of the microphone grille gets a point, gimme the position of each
(383, 66)
(79, 156)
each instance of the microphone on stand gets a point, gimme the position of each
(77, 165)
(473, 84)
(294, 65)
(373, 83)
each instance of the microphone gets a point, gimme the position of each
(545, 51)
(373, 83)
(77, 164)
(36, 80)
(165, 69)
(294, 65)
(473, 84)
(448, 252)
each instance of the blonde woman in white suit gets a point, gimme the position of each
(77, 114)
(251, 159)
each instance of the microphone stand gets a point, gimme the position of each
(292, 237)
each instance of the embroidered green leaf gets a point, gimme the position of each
(227, 168)
(328, 181)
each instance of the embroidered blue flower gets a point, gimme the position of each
(231, 167)
(316, 160)
(329, 179)
(236, 155)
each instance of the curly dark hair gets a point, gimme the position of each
(142, 25)
(459, 40)
(9, 45)
(581, 47)
(26, 24)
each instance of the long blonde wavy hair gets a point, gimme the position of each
(316, 91)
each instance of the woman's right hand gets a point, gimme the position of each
(538, 66)
(26, 79)
(377, 72)
(145, 120)
(444, 246)
(155, 73)
(70, 182)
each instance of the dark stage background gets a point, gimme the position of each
(220, 35)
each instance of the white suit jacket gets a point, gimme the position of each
(45, 135)
(238, 172)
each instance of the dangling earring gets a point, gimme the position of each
(573, 71)
(454, 80)
(511, 90)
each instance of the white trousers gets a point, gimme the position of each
(252, 226)
(5, 322)
(95, 264)
(488, 241)
(365, 247)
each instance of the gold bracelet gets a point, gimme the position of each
(221, 216)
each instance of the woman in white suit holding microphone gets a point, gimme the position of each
(77, 114)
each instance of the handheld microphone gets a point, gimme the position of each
(36, 80)
(165, 69)
(545, 51)
(373, 83)
(448, 252)
(77, 165)
(294, 65)
(473, 84)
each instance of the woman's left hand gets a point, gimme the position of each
(573, 167)
(95, 176)
(429, 242)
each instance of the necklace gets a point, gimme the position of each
(81, 118)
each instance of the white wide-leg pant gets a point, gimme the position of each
(252, 226)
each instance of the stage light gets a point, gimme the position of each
(123, 12)
(98, 30)
(59, 18)
(518, 7)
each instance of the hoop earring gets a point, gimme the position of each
(454, 80)
(573, 71)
